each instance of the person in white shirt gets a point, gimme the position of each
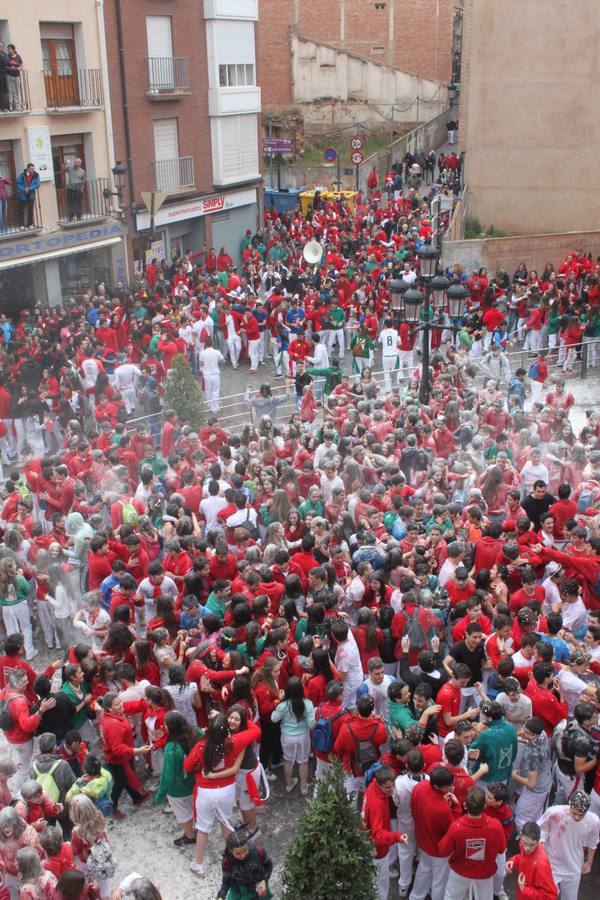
(319, 360)
(554, 572)
(347, 662)
(570, 835)
(533, 470)
(570, 678)
(244, 514)
(388, 338)
(403, 788)
(456, 555)
(330, 481)
(125, 380)
(211, 506)
(210, 360)
(574, 612)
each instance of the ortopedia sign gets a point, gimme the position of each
(59, 241)
(200, 206)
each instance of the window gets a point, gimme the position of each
(166, 145)
(239, 147)
(238, 75)
(377, 51)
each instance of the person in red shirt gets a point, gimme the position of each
(377, 821)
(100, 560)
(563, 510)
(472, 844)
(474, 614)
(544, 703)
(454, 751)
(434, 809)
(59, 853)
(449, 697)
(167, 443)
(250, 328)
(362, 727)
(535, 880)
(530, 591)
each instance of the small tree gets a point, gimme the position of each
(331, 856)
(183, 393)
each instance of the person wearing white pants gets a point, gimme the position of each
(570, 835)
(377, 821)
(430, 878)
(210, 360)
(14, 591)
(403, 789)
(24, 725)
(459, 887)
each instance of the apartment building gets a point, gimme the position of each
(185, 108)
(54, 110)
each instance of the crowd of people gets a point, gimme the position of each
(411, 589)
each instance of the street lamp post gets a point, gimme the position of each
(420, 303)
(119, 173)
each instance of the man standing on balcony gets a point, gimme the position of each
(28, 184)
(75, 178)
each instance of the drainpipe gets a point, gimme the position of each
(110, 150)
(122, 72)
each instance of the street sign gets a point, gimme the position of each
(330, 154)
(278, 145)
(153, 200)
(357, 158)
(357, 142)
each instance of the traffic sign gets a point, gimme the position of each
(357, 142)
(330, 154)
(278, 145)
(153, 200)
(357, 158)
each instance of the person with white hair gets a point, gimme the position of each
(570, 835)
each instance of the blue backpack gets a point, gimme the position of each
(322, 736)
(534, 370)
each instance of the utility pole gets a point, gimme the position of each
(270, 155)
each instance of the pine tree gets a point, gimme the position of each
(331, 856)
(183, 393)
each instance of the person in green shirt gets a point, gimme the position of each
(152, 460)
(246, 240)
(362, 347)
(497, 744)
(75, 687)
(313, 505)
(14, 591)
(254, 644)
(337, 318)
(403, 711)
(217, 601)
(177, 786)
(331, 374)
(500, 445)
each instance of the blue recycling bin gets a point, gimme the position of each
(283, 200)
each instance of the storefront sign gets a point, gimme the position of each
(202, 206)
(40, 151)
(156, 251)
(58, 241)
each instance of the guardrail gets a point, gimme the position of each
(87, 203)
(14, 97)
(174, 174)
(234, 413)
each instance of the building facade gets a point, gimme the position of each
(65, 236)
(529, 122)
(415, 36)
(185, 107)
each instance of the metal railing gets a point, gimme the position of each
(17, 217)
(234, 413)
(174, 174)
(168, 75)
(80, 88)
(87, 203)
(14, 95)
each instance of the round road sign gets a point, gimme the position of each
(357, 142)
(330, 154)
(357, 158)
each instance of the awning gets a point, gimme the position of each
(54, 254)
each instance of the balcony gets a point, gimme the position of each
(17, 218)
(16, 101)
(73, 90)
(168, 78)
(88, 204)
(174, 175)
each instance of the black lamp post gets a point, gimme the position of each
(398, 288)
(119, 172)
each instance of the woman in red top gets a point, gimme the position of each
(368, 637)
(268, 695)
(157, 702)
(216, 760)
(89, 830)
(323, 673)
(223, 259)
(117, 744)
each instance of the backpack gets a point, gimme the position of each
(46, 780)
(6, 720)
(248, 526)
(415, 632)
(586, 499)
(534, 370)
(366, 753)
(130, 514)
(370, 773)
(101, 863)
(399, 528)
(104, 805)
(322, 735)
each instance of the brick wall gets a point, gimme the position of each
(408, 34)
(534, 250)
(189, 40)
